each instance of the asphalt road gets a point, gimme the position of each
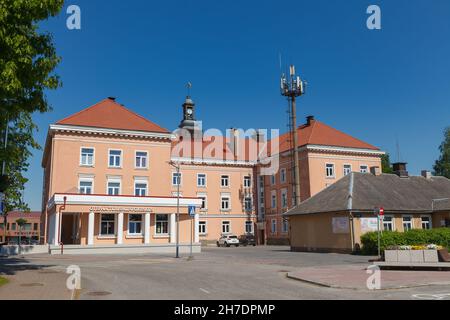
(216, 273)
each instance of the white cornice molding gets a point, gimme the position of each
(113, 132)
(212, 161)
(104, 200)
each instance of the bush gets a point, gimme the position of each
(415, 237)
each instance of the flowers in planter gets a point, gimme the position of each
(416, 247)
(434, 247)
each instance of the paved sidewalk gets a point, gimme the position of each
(33, 283)
(356, 276)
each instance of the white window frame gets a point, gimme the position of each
(273, 195)
(249, 184)
(205, 180)
(204, 224)
(135, 222)
(163, 234)
(205, 196)
(410, 222)
(332, 168)
(430, 224)
(367, 170)
(249, 223)
(179, 180)
(284, 198)
(250, 208)
(392, 222)
(141, 181)
(344, 167)
(273, 226)
(146, 159)
(222, 197)
(91, 180)
(226, 222)
(100, 226)
(81, 157)
(224, 177)
(120, 158)
(285, 226)
(113, 180)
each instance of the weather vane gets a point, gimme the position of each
(188, 87)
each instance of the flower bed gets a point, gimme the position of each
(413, 254)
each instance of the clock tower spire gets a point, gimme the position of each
(189, 123)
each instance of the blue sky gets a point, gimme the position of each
(377, 85)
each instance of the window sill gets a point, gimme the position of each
(114, 167)
(106, 237)
(134, 236)
(87, 165)
(227, 210)
(161, 236)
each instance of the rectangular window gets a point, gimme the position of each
(248, 204)
(13, 226)
(107, 225)
(224, 181)
(347, 169)
(407, 223)
(363, 169)
(140, 189)
(261, 182)
(141, 159)
(225, 203)
(388, 223)
(273, 228)
(285, 226)
(329, 168)
(284, 200)
(162, 224)
(226, 228)
(35, 226)
(113, 188)
(247, 182)
(426, 222)
(274, 200)
(87, 157)
(115, 158)
(283, 175)
(201, 180)
(176, 178)
(27, 227)
(272, 179)
(248, 227)
(85, 187)
(135, 224)
(202, 227)
(204, 201)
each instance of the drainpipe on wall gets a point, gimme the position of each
(352, 230)
(63, 207)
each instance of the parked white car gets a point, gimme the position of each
(228, 240)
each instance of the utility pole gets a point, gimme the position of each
(177, 249)
(5, 215)
(292, 88)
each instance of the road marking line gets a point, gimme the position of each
(205, 291)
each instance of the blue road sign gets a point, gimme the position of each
(191, 210)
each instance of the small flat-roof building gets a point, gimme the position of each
(29, 233)
(335, 218)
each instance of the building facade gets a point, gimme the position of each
(112, 177)
(28, 233)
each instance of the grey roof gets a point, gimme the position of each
(364, 192)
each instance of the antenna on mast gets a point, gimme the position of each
(188, 87)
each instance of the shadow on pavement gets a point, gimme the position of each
(11, 265)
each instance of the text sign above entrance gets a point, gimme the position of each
(120, 209)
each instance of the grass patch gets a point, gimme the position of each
(3, 281)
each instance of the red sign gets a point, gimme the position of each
(381, 212)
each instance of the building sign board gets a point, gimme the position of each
(340, 225)
(121, 209)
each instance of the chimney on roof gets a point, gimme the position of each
(309, 119)
(400, 169)
(426, 174)
(376, 171)
(112, 98)
(234, 141)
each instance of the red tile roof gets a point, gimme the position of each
(318, 133)
(111, 115)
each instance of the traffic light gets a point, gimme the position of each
(4, 183)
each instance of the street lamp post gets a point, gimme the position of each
(177, 249)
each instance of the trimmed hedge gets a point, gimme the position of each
(438, 236)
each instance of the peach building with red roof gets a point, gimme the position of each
(112, 180)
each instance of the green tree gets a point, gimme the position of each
(27, 62)
(386, 166)
(442, 165)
